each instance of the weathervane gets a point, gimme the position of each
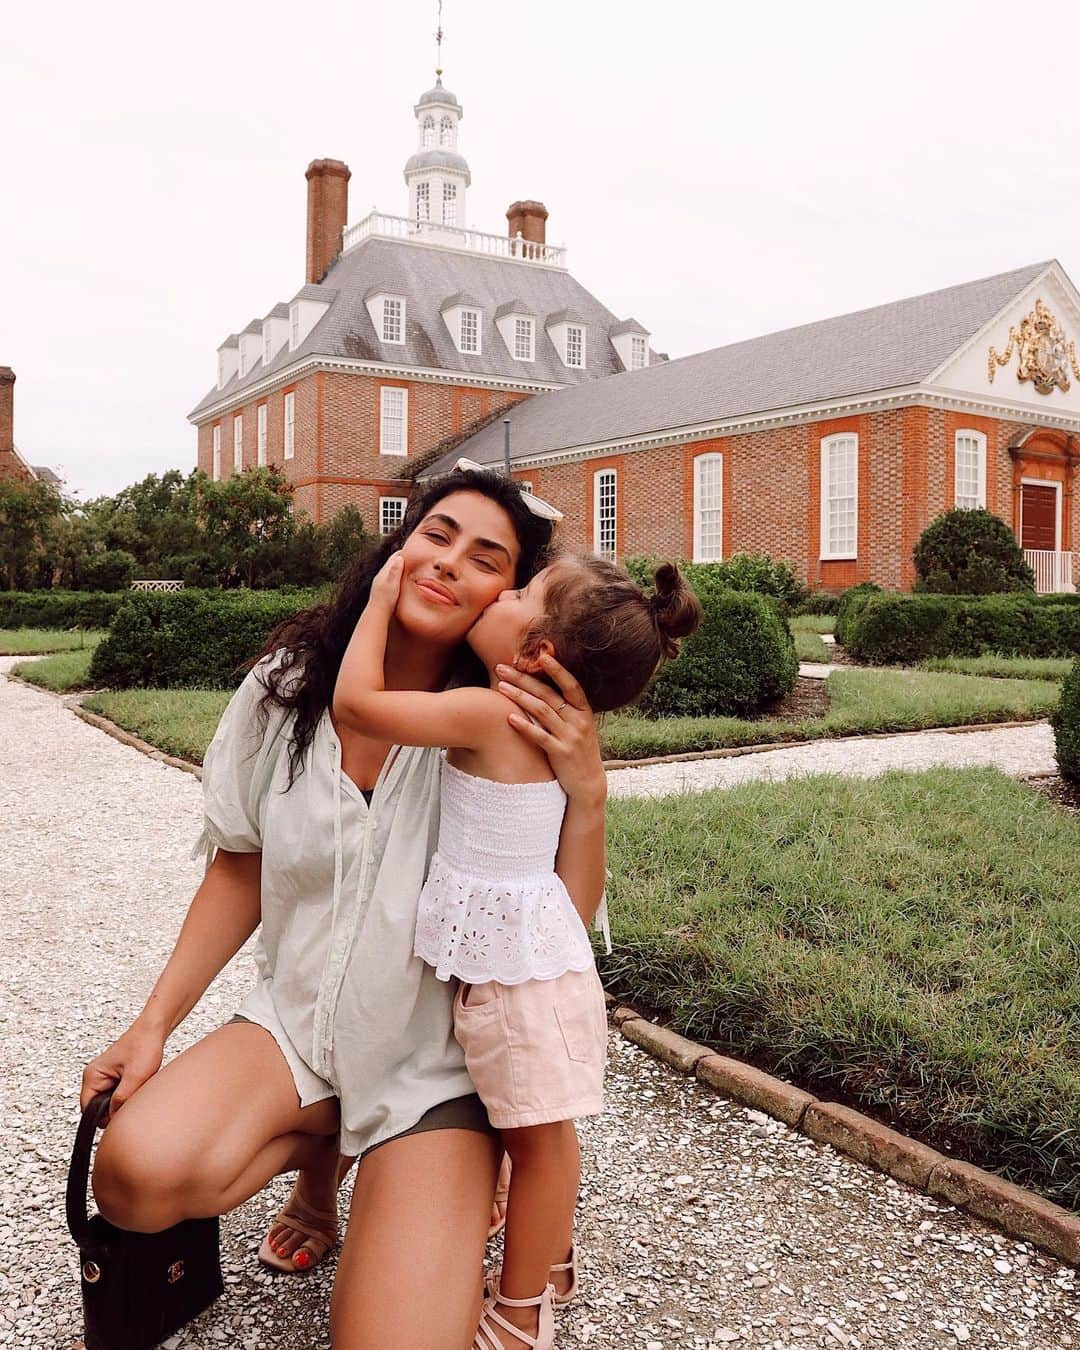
(438, 43)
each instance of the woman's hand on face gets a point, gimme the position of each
(387, 583)
(127, 1064)
(559, 722)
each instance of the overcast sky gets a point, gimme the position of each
(717, 170)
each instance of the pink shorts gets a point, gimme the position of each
(535, 1051)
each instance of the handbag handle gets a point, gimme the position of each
(79, 1172)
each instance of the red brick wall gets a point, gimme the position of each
(7, 410)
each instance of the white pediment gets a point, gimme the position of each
(1055, 329)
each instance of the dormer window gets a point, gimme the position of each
(268, 346)
(228, 360)
(639, 352)
(470, 331)
(523, 339)
(393, 320)
(631, 343)
(575, 345)
(428, 132)
(222, 377)
(294, 326)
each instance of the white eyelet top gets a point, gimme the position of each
(492, 907)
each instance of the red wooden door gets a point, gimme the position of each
(1038, 516)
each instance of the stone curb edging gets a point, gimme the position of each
(1019, 1212)
(733, 751)
(128, 738)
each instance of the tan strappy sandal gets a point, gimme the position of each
(501, 1196)
(560, 1300)
(319, 1228)
(487, 1338)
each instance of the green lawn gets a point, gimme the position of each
(62, 673)
(809, 647)
(31, 641)
(860, 701)
(912, 943)
(1016, 667)
(179, 721)
(812, 623)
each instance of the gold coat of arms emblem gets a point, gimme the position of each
(1044, 356)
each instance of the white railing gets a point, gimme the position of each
(379, 225)
(1053, 570)
(157, 585)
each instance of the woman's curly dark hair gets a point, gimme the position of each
(312, 643)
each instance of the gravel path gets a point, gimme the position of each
(1020, 751)
(702, 1224)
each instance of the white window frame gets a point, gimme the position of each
(978, 443)
(294, 326)
(446, 132)
(827, 551)
(241, 371)
(260, 435)
(526, 485)
(289, 424)
(267, 344)
(395, 504)
(639, 352)
(579, 329)
(1042, 482)
(428, 133)
(238, 443)
(215, 465)
(714, 553)
(474, 350)
(526, 328)
(423, 202)
(389, 442)
(393, 321)
(449, 199)
(601, 479)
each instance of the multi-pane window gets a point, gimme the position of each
(216, 469)
(639, 352)
(241, 369)
(575, 345)
(260, 426)
(423, 202)
(393, 320)
(970, 469)
(393, 416)
(221, 369)
(267, 347)
(446, 131)
(238, 443)
(391, 513)
(449, 203)
(523, 339)
(429, 131)
(470, 330)
(839, 496)
(290, 425)
(708, 508)
(604, 513)
(294, 328)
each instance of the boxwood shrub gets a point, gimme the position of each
(818, 602)
(59, 609)
(190, 639)
(740, 659)
(851, 603)
(886, 629)
(1066, 723)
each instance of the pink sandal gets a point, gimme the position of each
(491, 1284)
(486, 1337)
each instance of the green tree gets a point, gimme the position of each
(28, 514)
(249, 515)
(970, 552)
(342, 540)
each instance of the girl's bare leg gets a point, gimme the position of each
(208, 1131)
(544, 1178)
(411, 1266)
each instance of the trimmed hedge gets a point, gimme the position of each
(190, 639)
(1066, 723)
(970, 552)
(885, 629)
(740, 659)
(59, 609)
(755, 572)
(818, 602)
(851, 604)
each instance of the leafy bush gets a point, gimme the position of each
(851, 604)
(190, 639)
(755, 572)
(109, 571)
(59, 609)
(741, 658)
(1066, 724)
(890, 628)
(965, 552)
(818, 602)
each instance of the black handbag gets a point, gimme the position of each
(137, 1288)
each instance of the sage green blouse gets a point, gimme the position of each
(355, 1014)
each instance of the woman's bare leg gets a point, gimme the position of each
(208, 1131)
(410, 1270)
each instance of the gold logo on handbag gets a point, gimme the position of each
(176, 1271)
(91, 1272)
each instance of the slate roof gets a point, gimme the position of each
(887, 347)
(427, 276)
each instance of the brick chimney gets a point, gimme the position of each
(7, 410)
(529, 220)
(327, 214)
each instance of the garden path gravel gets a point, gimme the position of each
(703, 1224)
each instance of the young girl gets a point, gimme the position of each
(530, 1012)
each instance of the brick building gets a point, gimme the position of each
(830, 445)
(12, 464)
(408, 334)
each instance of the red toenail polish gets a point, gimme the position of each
(302, 1259)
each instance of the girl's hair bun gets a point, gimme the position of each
(675, 607)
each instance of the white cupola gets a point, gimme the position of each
(437, 175)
